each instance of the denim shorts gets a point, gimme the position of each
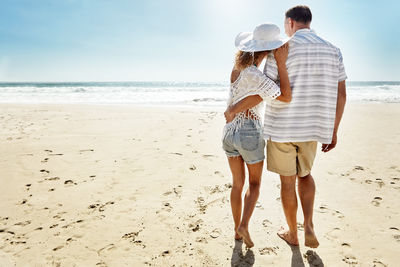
(247, 141)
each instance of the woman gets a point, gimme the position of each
(242, 139)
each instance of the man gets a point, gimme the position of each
(292, 130)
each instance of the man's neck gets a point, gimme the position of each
(302, 27)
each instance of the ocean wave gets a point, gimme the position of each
(169, 93)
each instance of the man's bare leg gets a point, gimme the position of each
(289, 203)
(306, 187)
(250, 200)
(236, 165)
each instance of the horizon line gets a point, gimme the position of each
(159, 81)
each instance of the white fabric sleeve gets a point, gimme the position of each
(342, 72)
(263, 86)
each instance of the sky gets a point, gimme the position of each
(171, 40)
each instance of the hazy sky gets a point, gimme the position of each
(170, 40)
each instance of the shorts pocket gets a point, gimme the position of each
(249, 140)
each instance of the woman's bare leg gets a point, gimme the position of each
(236, 165)
(250, 200)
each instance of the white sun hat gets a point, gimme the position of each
(264, 37)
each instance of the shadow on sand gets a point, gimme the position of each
(238, 259)
(312, 258)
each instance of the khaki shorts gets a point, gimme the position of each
(289, 159)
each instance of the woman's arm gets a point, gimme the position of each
(242, 105)
(281, 55)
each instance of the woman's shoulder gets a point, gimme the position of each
(235, 75)
(254, 72)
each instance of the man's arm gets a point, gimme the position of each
(341, 101)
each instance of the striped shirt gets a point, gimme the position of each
(315, 67)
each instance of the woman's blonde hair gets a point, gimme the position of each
(246, 59)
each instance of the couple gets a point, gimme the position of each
(304, 86)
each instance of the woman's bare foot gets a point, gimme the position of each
(286, 236)
(310, 238)
(237, 236)
(246, 236)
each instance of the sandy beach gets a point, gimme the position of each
(87, 185)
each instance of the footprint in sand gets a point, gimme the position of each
(333, 234)
(368, 181)
(379, 182)
(217, 188)
(268, 250)
(324, 209)
(358, 168)
(215, 233)
(200, 239)
(101, 207)
(133, 238)
(69, 182)
(195, 226)
(86, 150)
(24, 223)
(166, 206)
(201, 205)
(192, 167)
(209, 157)
(219, 174)
(396, 233)
(57, 248)
(348, 258)
(266, 223)
(377, 201)
(176, 153)
(378, 263)
(46, 171)
(101, 264)
(54, 225)
(45, 160)
(69, 240)
(167, 193)
(178, 191)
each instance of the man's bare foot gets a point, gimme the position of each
(310, 238)
(246, 236)
(286, 236)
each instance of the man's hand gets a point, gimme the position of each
(329, 147)
(229, 115)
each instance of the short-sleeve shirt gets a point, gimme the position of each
(315, 67)
(251, 81)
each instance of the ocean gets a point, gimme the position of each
(201, 94)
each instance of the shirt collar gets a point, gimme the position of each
(305, 31)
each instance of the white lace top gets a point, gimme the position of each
(251, 81)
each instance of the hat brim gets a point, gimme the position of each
(244, 41)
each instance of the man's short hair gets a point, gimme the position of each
(299, 14)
